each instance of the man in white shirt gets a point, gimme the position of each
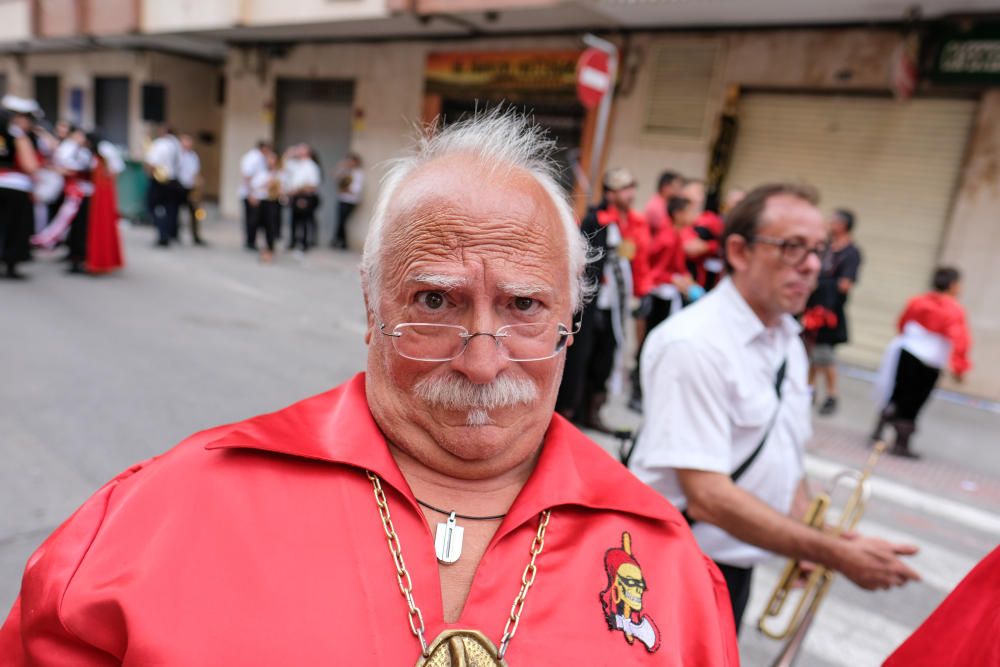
(163, 198)
(302, 179)
(189, 177)
(727, 404)
(252, 163)
(350, 180)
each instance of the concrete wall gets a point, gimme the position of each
(78, 70)
(192, 92)
(389, 85)
(972, 244)
(192, 107)
(15, 21)
(799, 59)
(269, 12)
(189, 15)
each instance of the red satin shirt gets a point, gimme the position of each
(965, 630)
(633, 227)
(943, 315)
(260, 543)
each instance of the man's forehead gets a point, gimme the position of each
(467, 181)
(785, 211)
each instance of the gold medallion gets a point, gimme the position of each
(627, 249)
(461, 648)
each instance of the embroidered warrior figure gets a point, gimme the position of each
(622, 599)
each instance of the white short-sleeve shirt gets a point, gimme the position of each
(189, 167)
(301, 173)
(708, 376)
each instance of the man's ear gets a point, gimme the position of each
(370, 316)
(736, 252)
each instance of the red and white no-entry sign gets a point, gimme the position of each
(592, 77)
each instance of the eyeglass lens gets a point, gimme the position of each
(443, 342)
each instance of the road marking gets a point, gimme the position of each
(944, 508)
(843, 633)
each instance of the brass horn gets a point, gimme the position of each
(818, 580)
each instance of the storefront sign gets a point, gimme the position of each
(504, 71)
(970, 56)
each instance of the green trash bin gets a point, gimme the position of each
(131, 186)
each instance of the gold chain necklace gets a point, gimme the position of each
(457, 647)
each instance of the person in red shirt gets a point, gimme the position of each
(701, 239)
(964, 631)
(430, 511)
(620, 273)
(933, 335)
(672, 285)
(670, 185)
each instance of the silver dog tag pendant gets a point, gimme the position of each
(448, 541)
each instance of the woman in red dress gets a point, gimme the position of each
(104, 251)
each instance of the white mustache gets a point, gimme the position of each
(455, 392)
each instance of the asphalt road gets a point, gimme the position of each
(112, 370)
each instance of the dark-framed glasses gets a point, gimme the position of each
(794, 251)
(443, 342)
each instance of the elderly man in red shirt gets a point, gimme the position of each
(432, 510)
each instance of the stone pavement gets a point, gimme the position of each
(116, 369)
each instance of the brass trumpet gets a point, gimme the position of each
(819, 579)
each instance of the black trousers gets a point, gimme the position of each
(265, 216)
(76, 241)
(17, 222)
(738, 580)
(303, 221)
(164, 202)
(589, 361)
(344, 211)
(188, 205)
(248, 224)
(915, 381)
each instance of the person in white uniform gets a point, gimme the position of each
(727, 404)
(252, 163)
(163, 164)
(350, 181)
(189, 177)
(302, 179)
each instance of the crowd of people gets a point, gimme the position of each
(57, 187)
(446, 429)
(271, 184)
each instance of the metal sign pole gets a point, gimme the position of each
(603, 111)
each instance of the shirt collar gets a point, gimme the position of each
(746, 326)
(337, 427)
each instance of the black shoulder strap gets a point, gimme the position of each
(742, 468)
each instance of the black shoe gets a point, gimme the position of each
(76, 268)
(905, 452)
(13, 274)
(829, 406)
(161, 244)
(200, 242)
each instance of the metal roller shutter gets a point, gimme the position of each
(896, 164)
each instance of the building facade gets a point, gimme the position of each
(898, 121)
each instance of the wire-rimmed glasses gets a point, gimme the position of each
(794, 251)
(443, 342)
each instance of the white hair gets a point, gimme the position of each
(502, 139)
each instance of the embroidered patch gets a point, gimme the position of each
(622, 600)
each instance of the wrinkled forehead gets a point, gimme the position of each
(457, 210)
(788, 215)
